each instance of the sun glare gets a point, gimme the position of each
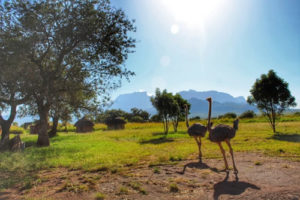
(193, 12)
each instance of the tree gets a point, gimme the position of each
(156, 118)
(74, 46)
(166, 106)
(178, 111)
(14, 71)
(110, 115)
(271, 95)
(138, 115)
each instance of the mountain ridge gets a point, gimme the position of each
(222, 102)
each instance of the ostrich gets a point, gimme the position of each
(197, 131)
(221, 133)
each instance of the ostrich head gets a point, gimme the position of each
(209, 99)
(236, 124)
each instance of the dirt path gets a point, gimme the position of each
(259, 177)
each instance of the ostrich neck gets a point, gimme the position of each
(186, 118)
(209, 116)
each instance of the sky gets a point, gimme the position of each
(222, 45)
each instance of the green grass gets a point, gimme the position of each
(104, 150)
(99, 196)
(174, 188)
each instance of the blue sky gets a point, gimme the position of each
(224, 45)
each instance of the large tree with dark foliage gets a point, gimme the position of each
(14, 72)
(74, 46)
(271, 95)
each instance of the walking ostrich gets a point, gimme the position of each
(222, 133)
(197, 131)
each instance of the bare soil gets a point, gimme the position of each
(259, 177)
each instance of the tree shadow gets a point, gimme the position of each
(289, 137)
(158, 133)
(170, 133)
(231, 187)
(30, 144)
(198, 165)
(157, 140)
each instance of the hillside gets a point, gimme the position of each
(223, 102)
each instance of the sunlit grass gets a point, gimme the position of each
(141, 143)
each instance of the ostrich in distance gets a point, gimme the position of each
(196, 130)
(222, 133)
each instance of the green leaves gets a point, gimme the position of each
(271, 95)
(169, 106)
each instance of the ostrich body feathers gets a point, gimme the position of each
(221, 132)
(197, 130)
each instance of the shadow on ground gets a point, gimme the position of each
(198, 165)
(231, 187)
(289, 137)
(170, 133)
(157, 140)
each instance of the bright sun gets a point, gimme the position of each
(193, 13)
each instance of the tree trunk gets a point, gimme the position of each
(53, 131)
(167, 126)
(175, 125)
(4, 143)
(5, 125)
(274, 127)
(43, 137)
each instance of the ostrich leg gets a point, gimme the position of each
(199, 147)
(224, 156)
(231, 152)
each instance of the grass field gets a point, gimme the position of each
(141, 143)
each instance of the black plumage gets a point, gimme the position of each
(197, 129)
(221, 132)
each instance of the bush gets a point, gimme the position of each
(248, 114)
(227, 115)
(16, 130)
(174, 187)
(155, 118)
(195, 118)
(297, 114)
(136, 119)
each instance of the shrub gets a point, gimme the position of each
(248, 114)
(227, 115)
(99, 196)
(174, 187)
(136, 119)
(16, 130)
(195, 118)
(156, 118)
(297, 114)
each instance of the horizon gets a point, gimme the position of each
(179, 43)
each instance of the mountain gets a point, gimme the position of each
(199, 107)
(134, 100)
(222, 102)
(216, 96)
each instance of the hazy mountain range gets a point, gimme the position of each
(222, 102)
